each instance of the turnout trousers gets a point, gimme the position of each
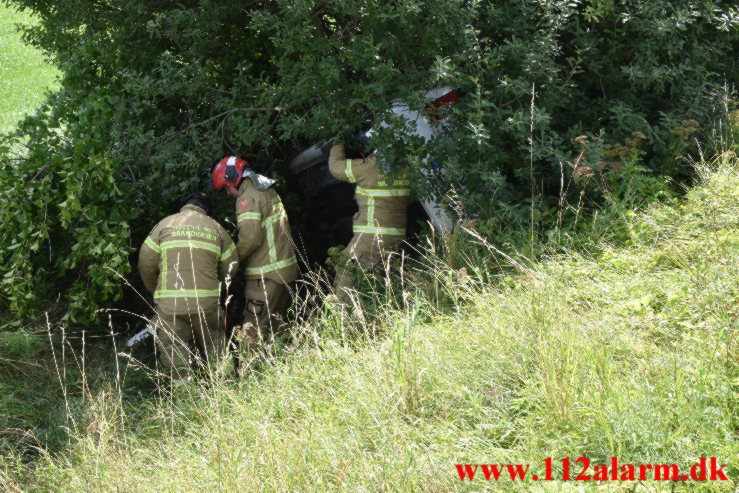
(364, 254)
(175, 334)
(267, 302)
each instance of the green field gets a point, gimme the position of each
(25, 74)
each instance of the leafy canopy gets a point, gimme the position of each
(153, 92)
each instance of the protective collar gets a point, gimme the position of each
(193, 207)
(261, 182)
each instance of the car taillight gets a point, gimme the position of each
(448, 98)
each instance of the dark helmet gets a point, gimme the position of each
(356, 144)
(201, 200)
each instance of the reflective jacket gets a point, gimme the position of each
(265, 245)
(383, 201)
(185, 259)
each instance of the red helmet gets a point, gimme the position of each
(229, 171)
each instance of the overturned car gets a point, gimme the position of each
(328, 204)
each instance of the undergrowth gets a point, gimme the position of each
(631, 354)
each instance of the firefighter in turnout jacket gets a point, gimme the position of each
(379, 226)
(184, 262)
(265, 246)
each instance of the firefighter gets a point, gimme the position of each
(379, 226)
(265, 247)
(184, 261)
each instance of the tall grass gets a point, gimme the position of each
(633, 354)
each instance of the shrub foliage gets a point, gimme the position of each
(152, 92)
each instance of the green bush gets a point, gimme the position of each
(152, 92)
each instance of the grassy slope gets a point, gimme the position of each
(633, 354)
(25, 75)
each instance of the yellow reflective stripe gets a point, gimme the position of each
(370, 211)
(272, 267)
(349, 172)
(274, 218)
(271, 242)
(268, 225)
(382, 231)
(186, 293)
(228, 252)
(256, 216)
(164, 269)
(384, 192)
(192, 244)
(150, 243)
